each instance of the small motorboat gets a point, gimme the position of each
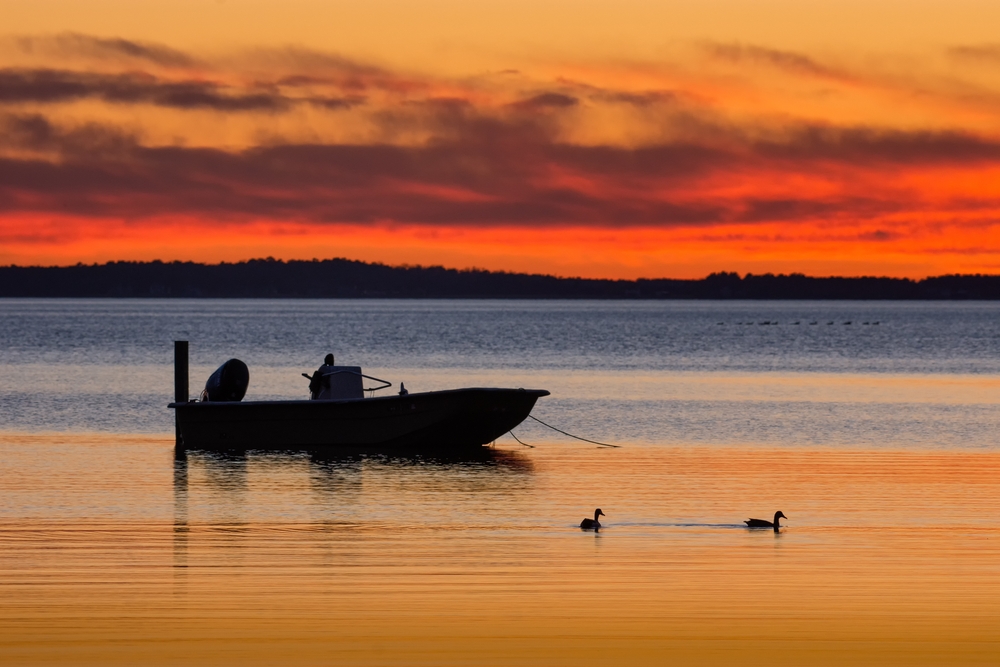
(763, 523)
(340, 416)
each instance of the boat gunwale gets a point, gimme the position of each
(537, 393)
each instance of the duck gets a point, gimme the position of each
(762, 523)
(592, 523)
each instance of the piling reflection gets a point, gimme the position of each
(181, 528)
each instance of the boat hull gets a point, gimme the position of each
(450, 420)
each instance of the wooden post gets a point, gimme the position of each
(181, 371)
(180, 383)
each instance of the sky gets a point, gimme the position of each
(610, 139)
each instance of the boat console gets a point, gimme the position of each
(340, 382)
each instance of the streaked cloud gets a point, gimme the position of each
(547, 100)
(71, 45)
(983, 52)
(796, 63)
(49, 86)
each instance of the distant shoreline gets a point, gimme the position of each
(343, 278)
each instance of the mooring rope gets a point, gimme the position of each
(519, 440)
(593, 442)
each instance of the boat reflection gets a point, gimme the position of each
(230, 487)
(222, 495)
(227, 469)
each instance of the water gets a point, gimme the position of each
(926, 375)
(878, 441)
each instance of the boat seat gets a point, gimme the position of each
(342, 382)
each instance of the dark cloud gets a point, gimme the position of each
(486, 171)
(878, 235)
(446, 104)
(547, 100)
(641, 99)
(983, 52)
(644, 98)
(336, 102)
(815, 208)
(505, 169)
(50, 85)
(480, 162)
(867, 146)
(34, 133)
(306, 67)
(785, 60)
(74, 45)
(300, 80)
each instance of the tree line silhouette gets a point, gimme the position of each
(331, 278)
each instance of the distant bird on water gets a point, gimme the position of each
(592, 523)
(761, 523)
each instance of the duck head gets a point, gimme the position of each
(778, 515)
(598, 513)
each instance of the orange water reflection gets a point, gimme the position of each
(888, 558)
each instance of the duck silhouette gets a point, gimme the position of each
(592, 523)
(762, 523)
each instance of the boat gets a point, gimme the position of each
(449, 421)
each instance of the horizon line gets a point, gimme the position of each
(474, 269)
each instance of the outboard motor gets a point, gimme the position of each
(228, 382)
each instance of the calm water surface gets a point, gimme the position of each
(879, 441)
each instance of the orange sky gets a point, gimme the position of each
(623, 140)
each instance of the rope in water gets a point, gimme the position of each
(593, 442)
(519, 440)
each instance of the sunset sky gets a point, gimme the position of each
(619, 139)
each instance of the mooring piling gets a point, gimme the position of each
(180, 382)
(181, 371)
